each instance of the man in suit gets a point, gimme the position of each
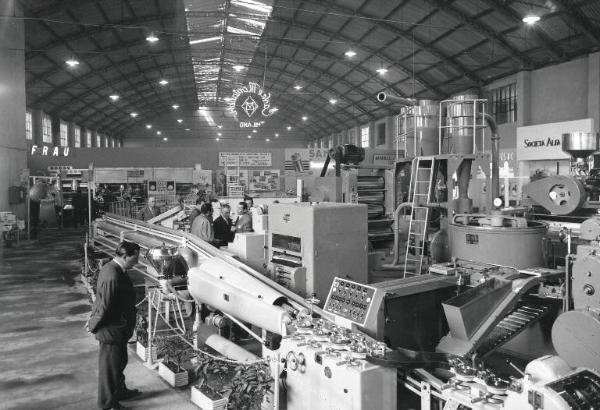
(149, 211)
(223, 227)
(112, 321)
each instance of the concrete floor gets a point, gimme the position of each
(47, 359)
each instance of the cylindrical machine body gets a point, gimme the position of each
(508, 246)
(418, 124)
(460, 121)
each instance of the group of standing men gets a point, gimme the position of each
(222, 230)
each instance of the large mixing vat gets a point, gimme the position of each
(418, 128)
(511, 242)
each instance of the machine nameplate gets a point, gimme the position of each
(350, 300)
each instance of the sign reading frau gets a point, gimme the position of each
(49, 151)
(249, 104)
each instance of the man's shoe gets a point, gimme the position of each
(128, 394)
(118, 406)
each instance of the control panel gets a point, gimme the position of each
(326, 368)
(350, 300)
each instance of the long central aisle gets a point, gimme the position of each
(47, 359)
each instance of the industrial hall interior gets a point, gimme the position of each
(300, 204)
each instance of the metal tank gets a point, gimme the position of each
(461, 124)
(497, 239)
(418, 128)
(580, 144)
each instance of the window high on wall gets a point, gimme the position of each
(77, 137)
(106, 145)
(28, 126)
(46, 129)
(88, 139)
(502, 103)
(364, 137)
(64, 134)
(98, 140)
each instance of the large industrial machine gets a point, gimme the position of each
(439, 340)
(311, 243)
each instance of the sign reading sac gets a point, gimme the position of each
(544, 141)
(249, 104)
(46, 150)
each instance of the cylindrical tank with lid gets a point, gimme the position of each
(419, 124)
(461, 124)
(513, 242)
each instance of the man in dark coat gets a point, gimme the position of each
(223, 227)
(112, 321)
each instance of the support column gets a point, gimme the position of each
(593, 110)
(13, 151)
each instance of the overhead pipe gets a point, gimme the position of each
(382, 97)
(491, 122)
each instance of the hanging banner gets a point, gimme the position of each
(245, 159)
(301, 159)
(250, 104)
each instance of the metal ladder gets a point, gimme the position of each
(421, 183)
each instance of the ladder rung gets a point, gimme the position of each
(420, 194)
(422, 182)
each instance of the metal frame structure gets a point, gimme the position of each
(432, 50)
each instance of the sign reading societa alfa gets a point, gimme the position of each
(544, 141)
(250, 104)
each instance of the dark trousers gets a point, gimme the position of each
(111, 380)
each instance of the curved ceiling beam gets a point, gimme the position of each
(540, 37)
(390, 62)
(113, 110)
(91, 31)
(111, 84)
(408, 35)
(482, 29)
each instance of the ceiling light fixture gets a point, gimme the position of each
(188, 129)
(332, 101)
(289, 128)
(163, 82)
(268, 139)
(148, 126)
(298, 87)
(217, 139)
(254, 131)
(71, 62)
(158, 132)
(381, 71)
(175, 106)
(249, 136)
(165, 139)
(219, 126)
(276, 135)
(151, 38)
(179, 120)
(531, 19)
(133, 114)
(205, 40)
(219, 134)
(304, 118)
(238, 67)
(350, 53)
(113, 97)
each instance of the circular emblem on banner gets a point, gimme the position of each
(250, 104)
